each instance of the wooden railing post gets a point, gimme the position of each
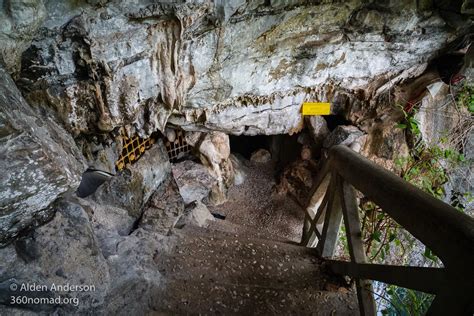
(316, 208)
(332, 220)
(356, 246)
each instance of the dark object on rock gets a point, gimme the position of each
(218, 216)
(91, 180)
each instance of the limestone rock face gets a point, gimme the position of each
(19, 22)
(318, 129)
(241, 67)
(447, 125)
(114, 64)
(214, 152)
(437, 114)
(240, 169)
(87, 244)
(39, 162)
(111, 225)
(135, 279)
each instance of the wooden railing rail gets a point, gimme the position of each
(446, 231)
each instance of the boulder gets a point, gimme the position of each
(196, 214)
(131, 188)
(261, 156)
(344, 135)
(306, 153)
(194, 181)
(135, 279)
(89, 245)
(163, 209)
(111, 225)
(297, 180)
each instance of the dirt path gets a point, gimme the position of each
(254, 204)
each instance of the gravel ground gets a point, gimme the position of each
(254, 204)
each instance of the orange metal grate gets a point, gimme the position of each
(132, 149)
(179, 148)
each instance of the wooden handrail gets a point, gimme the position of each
(446, 231)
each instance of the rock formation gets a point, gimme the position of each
(78, 76)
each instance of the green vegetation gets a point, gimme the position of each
(465, 98)
(406, 302)
(427, 167)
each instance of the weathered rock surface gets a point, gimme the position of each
(38, 159)
(344, 135)
(63, 251)
(85, 244)
(318, 130)
(196, 214)
(163, 209)
(437, 115)
(19, 22)
(447, 125)
(111, 225)
(214, 152)
(240, 67)
(135, 279)
(131, 188)
(240, 170)
(297, 180)
(194, 181)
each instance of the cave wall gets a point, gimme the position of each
(39, 161)
(243, 67)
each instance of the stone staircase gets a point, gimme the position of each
(214, 271)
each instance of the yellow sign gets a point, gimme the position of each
(316, 108)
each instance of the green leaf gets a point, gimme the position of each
(401, 126)
(471, 107)
(428, 254)
(392, 237)
(376, 235)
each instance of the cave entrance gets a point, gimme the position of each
(334, 121)
(262, 199)
(283, 148)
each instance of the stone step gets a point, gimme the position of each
(214, 272)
